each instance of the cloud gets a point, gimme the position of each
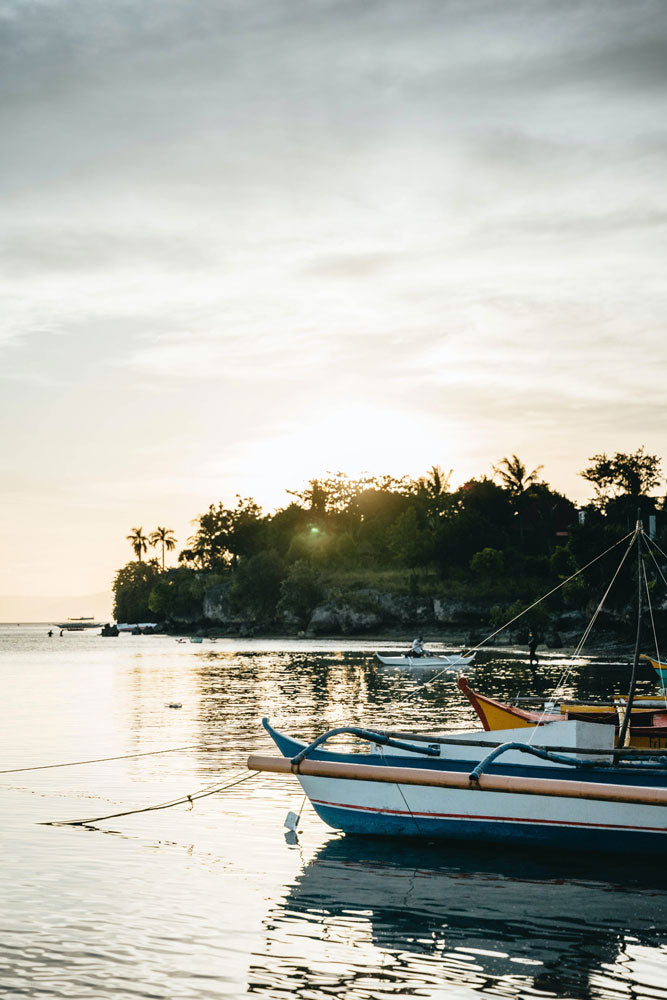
(251, 221)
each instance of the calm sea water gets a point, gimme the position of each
(211, 901)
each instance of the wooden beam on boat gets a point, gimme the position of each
(641, 795)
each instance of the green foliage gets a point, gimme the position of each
(255, 587)
(562, 562)
(575, 594)
(163, 537)
(301, 591)
(313, 544)
(224, 534)
(536, 618)
(488, 562)
(138, 541)
(335, 493)
(411, 541)
(177, 595)
(632, 475)
(487, 541)
(132, 587)
(513, 476)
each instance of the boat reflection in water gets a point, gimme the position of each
(367, 918)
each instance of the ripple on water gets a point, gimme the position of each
(212, 902)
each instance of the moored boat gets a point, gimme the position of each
(568, 788)
(545, 781)
(659, 667)
(648, 715)
(426, 660)
(77, 624)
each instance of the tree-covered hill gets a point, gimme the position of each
(357, 554)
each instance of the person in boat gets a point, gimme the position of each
(417, 647)
(533, 642)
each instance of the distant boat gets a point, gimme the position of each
(77, 624)
(196, 638)
(426, 660)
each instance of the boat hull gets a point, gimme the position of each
(648, 726)
(447, 817)
(425, 661)
(416, 805)
(660, 669)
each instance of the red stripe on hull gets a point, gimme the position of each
(497, 819)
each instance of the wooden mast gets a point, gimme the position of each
(623, 734)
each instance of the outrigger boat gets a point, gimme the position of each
(426, 660)
(569, 788)
(77, 624)
(648, 717)
(660, 668)
(563, 784)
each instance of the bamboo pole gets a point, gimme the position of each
(640, 795)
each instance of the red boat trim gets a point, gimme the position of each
(497, 819)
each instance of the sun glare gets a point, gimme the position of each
(353, 440)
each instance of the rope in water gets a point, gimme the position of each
(183, 800)
(102, 760)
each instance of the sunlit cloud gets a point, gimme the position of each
(244, 243)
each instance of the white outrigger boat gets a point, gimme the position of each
(426, 660)
(570, 788)
(562, 784)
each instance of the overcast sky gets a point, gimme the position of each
(246, 241)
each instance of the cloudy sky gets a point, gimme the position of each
(246, 241)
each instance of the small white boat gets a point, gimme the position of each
(426, 660)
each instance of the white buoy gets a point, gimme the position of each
(291, 821)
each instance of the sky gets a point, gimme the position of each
(243, 242)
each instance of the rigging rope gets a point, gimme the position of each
(484, 641)
(564, 677)
(650, 611)
(103, 760)
(201, 794)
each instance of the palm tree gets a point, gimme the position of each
(138, 541)
(163, 537)
(518, 483)
(513, 475)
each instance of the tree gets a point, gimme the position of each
(488, 563)
(512, 473)
(138, 541)
(255, 589)
(164, 537)
(224, 534)
(300, 592)
(177, 595)
(132, 587)
(623, 475)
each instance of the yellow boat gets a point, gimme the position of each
(648, 720)
(659, 667)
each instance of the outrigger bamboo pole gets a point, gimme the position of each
(640, 795)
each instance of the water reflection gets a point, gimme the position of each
(399, 919)
(175, 903)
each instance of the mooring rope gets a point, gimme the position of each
(103, 760)
(183, 800)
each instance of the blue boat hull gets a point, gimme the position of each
(509, 834)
